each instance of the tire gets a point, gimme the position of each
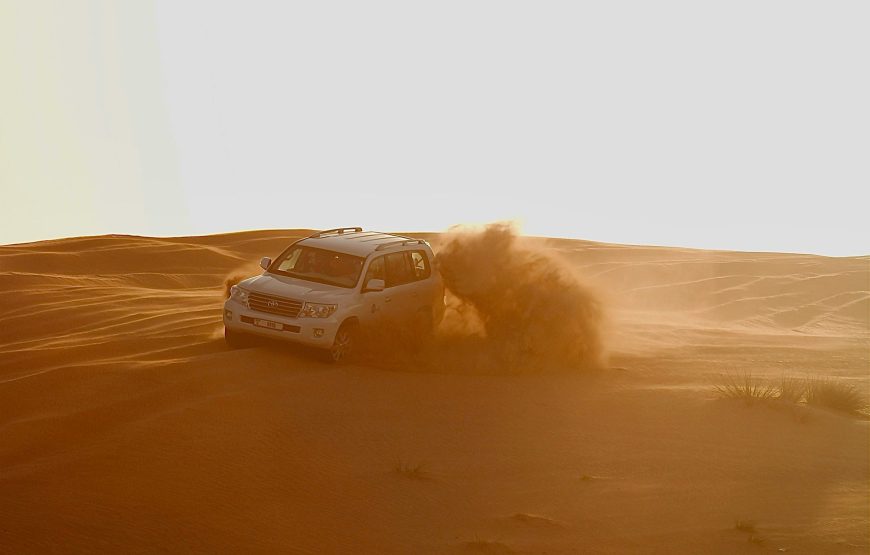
(234, 339)
(342, 345)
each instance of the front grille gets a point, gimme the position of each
(274, 305)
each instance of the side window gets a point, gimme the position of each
(375, 271)
(399, 271)
(420, 263)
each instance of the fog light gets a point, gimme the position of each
(228, 314)
(318, 332)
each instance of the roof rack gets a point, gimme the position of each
(338, 230)
(401, 242)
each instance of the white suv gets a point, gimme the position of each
(324, 289)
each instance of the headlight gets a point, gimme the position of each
(318, 310)
(239, 295)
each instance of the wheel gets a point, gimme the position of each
(342, 345)
(234, 339)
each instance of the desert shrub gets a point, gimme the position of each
(415, 471)
(836, 395)
(829, 393)
(791, 389)
(746, 388)
(745, 526)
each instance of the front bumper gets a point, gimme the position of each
(316, 332)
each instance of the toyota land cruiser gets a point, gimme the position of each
(326, 288)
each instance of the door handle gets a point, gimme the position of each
(388, 299)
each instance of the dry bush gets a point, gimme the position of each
(745, 388)
(829, 393)
(836, 395)
(745, 526)
(791, 389)
(415, 471)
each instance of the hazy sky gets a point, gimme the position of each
(740, 125)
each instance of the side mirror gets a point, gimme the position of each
(374, 285)
(265, 262)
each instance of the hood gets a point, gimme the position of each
(293, 288)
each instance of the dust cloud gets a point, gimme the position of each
(527, 308)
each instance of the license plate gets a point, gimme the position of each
(269, 324)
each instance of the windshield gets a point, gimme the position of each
(322, 266)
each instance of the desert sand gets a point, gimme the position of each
(127, 426)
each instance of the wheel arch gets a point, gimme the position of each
(350, 321)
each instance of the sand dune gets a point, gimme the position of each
(127, 426)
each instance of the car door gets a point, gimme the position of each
(373, 314)
(425, 294)
(400, 288)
